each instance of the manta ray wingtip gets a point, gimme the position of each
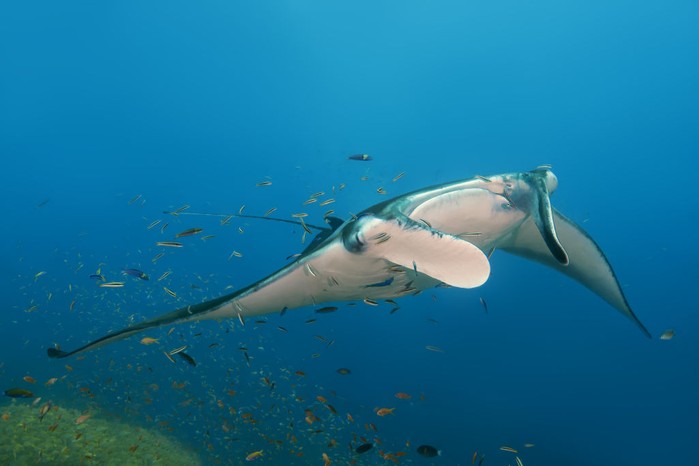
(629, 312)
(643, 329)
(56, 353)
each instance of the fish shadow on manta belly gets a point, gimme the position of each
(443, 234)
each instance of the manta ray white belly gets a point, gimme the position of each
(385, 259)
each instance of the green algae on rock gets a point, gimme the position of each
(58, 440)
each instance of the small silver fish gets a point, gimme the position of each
(435, 349)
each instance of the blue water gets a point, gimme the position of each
(196, 102)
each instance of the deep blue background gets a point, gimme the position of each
(195, 102)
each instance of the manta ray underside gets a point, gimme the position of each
(441, 234)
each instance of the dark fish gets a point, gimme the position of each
(190, 232)
(361, 157)
(363, 448)
(136, 273)
(485, 305)
(386, 282)
(19, 393)
(344, 371)
(187, 358)
(427, 451)
(97, 276)
(326, 309)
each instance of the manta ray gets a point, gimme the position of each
(441, 235)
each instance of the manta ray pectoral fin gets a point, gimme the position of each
(586, 262)
(189, 313)
(441, 256)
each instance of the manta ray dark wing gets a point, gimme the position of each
(324, 234)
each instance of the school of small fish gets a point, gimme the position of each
(263, 408)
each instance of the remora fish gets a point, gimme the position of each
(432, 241)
